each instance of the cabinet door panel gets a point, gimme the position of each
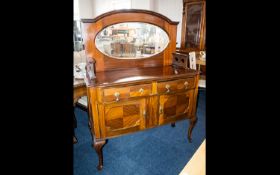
(193, 27)
(173, 106)
(124, 117)
(193, 36)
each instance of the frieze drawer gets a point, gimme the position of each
(175, 86)
(115, 94)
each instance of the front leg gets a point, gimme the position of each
(98, 145)
(193, 121)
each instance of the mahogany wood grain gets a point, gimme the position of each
(180, 85)
(109, 113)
(139, 75)
(124, 116)
(175, 105)
(98, 145)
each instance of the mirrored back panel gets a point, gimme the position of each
(131, 40)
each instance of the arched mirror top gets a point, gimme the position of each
(129, 38)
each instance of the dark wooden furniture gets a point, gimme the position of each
(180, 60)
(193, 36)
(131, 95)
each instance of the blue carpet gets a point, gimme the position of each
(158, 151)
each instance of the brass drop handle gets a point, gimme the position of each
(160, 110)
(141, 90)
(144, 113)
(167, 86)
(117, 95)
(186, 84)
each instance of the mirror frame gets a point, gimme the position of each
(131, 58)
(91, 27)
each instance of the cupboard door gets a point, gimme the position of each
(124, 117)
(175, 106)
(193, 25)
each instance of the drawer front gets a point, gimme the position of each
(118, 93)
(175, 86)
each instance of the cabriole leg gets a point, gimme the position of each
(98, 145)
(192, 124)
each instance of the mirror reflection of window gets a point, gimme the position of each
(131, 40)
(194, 13)
(77, 36)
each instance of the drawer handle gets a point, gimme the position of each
(186, 84)
(144, 113)
(160, 110)
(141, 90)
(117, 95)
(167, 86)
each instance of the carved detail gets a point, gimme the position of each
(184, 7)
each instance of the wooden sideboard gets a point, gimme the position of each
(131, 95)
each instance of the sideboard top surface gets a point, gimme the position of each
(134, 75)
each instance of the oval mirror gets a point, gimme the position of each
(131, 40)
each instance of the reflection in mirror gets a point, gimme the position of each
(131, 40)
(77, 36)
(194, 13)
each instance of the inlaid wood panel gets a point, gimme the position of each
(124, 117)
(174, 105)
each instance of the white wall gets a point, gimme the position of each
(76, 10)
(102, 6)
(86, 9)
(141, 4)
(172, 9)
